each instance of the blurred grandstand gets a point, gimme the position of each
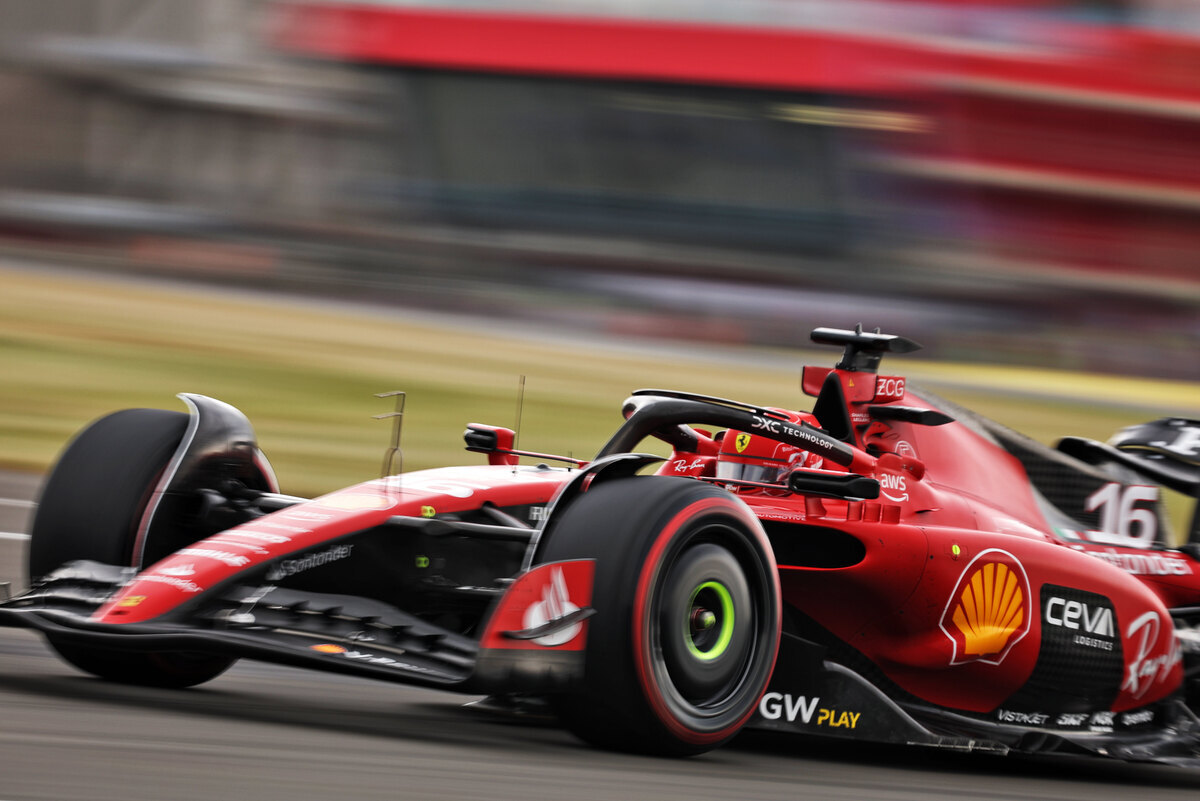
(1005, 181)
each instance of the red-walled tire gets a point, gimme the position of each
(90, 508)
(687, 622)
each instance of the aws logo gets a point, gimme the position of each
(988, 611)
(893, 487)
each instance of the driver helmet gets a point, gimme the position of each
(753, 457)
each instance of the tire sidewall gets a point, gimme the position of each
(685, 528)
(93, 502)
(635, 529)
(93, 506)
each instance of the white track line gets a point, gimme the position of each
(12, 535)
(18, 504)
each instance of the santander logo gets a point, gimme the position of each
(555, 604)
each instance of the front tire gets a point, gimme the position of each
(687, 620)
(92, 507)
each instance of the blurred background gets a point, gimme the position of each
(1012, 181)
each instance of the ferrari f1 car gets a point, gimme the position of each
(885, 567)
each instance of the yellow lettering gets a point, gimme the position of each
(837, 720)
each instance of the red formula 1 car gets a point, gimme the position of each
(885, 567)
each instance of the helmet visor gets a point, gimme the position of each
(738, 471)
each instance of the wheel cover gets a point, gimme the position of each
(704, 630)
(708, 630)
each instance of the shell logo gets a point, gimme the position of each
(988, 613)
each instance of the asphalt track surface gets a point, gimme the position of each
(262, 732)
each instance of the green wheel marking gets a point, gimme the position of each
(725, 635)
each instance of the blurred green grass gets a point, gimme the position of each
(74, 347)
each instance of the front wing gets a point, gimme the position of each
(338, 633)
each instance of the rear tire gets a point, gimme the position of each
(91, 507)
(687, 622)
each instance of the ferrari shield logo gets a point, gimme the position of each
(741, 441)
